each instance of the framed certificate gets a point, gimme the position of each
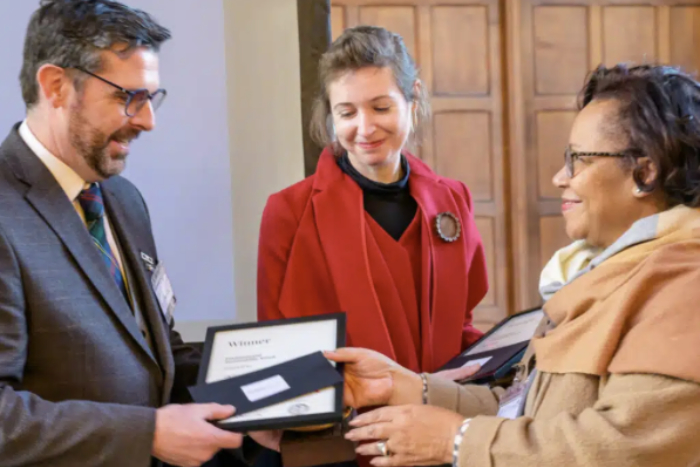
(270, 360)
(500, 348)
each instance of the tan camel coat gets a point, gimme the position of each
(618, 376)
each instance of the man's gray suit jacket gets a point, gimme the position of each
(78, 383)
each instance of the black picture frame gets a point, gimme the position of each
(283, 422)
(502, 359)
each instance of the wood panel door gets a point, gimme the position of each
(457, 44)
(551, 46)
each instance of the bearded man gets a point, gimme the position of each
(90, 364)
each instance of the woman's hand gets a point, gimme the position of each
(414, 435)
(458, 374)
(372, 379)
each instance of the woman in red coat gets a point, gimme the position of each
(374, 232)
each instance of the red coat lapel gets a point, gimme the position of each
(340, 218)
(445, 268)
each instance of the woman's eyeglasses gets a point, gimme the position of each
(571, 156)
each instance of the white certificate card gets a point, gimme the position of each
(240, 351)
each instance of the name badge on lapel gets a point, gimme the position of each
(148, 261)
(164, 292)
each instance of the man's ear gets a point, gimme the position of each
(54, 84)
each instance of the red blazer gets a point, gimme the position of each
(317, 255)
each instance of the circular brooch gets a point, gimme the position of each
(448, 226)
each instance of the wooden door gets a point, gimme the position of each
(457, 45)
(503, 78)
(551, 46)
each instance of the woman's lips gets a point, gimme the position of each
(370, 145)
(567, 204)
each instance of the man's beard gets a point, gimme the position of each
(92, 144)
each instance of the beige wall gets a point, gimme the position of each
(262, 66)
(264, 121)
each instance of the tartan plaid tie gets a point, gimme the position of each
(90, 200)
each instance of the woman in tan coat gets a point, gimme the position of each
(613, 376)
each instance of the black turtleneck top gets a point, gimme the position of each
(390, 204)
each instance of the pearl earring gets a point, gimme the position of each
(638, 190)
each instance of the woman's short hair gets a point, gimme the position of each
(363, 47)
(659, 117)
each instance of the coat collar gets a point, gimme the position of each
(71, 183)
(328, 173)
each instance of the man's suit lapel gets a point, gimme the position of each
(51, 202)
(126, 229)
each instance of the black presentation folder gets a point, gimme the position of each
(501, 358)
(282, 395)
(302, 376)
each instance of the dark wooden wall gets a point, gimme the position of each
(314, 39)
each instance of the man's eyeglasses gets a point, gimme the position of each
(571, 156)
(135, 99)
